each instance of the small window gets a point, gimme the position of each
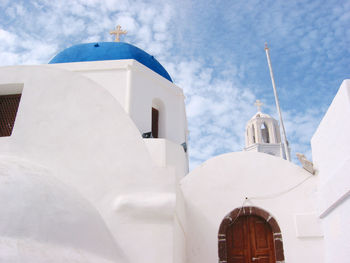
(8, 111)
(155, 121)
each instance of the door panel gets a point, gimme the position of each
(237, 240)
(261, 239)
(250, 239)
(238, 259)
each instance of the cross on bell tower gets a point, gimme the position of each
(117, 32)
(258, 104)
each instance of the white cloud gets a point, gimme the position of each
(128, 22)
(7, 38)
(146, 14)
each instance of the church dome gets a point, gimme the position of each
(109, 51)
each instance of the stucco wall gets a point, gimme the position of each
(331, 157)
(180, 235)
(78, 130)
(44, 220)
(135, 87)
(145, 88)
(221, 184)
(168, 154)
(111, 75)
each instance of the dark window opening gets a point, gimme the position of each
(265, 133)
(8, 111)
(253, 133)
(155, 119)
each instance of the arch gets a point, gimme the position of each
(265, 133)
(245, 211)
(253, 134)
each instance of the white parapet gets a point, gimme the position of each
(331, 157)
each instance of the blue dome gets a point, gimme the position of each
(109, 51)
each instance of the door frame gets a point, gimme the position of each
(250, 210)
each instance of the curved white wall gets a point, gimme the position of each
(43, 220)
(221, 184)
(135, 87)
(77, 129)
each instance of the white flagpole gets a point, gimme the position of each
(285, 142)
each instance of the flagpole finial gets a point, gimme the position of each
(266, 47)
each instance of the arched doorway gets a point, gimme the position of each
(250, 235)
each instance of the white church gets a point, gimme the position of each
(94, 168)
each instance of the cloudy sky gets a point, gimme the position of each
(213, 50)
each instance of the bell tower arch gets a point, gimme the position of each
(263, 134)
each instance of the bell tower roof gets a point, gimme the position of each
(259, 114)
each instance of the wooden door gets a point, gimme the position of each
(155, 118)
(250, 240)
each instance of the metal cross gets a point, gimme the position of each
(117, 32)
(258, 104)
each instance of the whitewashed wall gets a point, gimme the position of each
(111, 75)
(221, 184)
(43, 220)
(148, 88)
(74, 127)
(331, 157)
(166, 153)
(136, 87)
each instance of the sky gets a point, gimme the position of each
(213, 50)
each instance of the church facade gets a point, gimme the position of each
(94, 168)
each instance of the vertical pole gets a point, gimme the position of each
(285, 142)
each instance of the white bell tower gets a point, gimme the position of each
(263, 134)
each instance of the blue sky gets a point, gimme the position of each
(214, 51)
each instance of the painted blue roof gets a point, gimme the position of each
(109, 51)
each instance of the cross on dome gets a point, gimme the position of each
(117, 32)
(258, 104)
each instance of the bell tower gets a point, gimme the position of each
(263, 134)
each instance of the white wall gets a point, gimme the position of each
(111, 75)
(168, 154)
(78, 130)
(180, 235)
(269, 148)
(135, 87)
(221, 184)
(331, 157)
(146, 86)
(44, 220)
(138, 89)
